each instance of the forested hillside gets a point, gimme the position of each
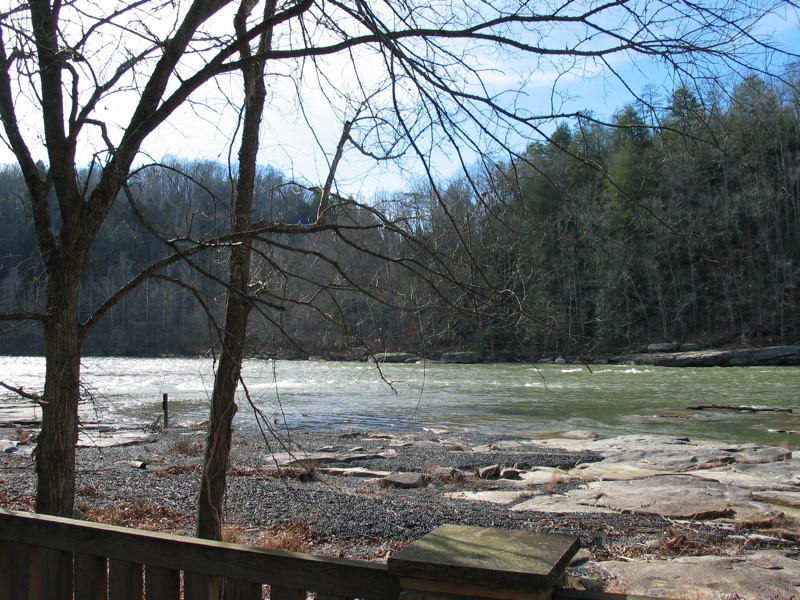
(681, 224)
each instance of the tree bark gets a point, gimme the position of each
(55, 450)
(239, 304)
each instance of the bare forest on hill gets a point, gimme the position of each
(676, 224)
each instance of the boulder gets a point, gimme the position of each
(392, 357)
(447, 473)
(509, 474)
(489, 472)
(461, 358)
(664, 347)
(403, 480)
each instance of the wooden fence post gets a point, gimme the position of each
(165, 408)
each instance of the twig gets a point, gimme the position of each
(752, 409)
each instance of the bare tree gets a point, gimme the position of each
(226, 380)
(425, 74)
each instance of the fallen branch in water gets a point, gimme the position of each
(20, 391)
(752, 409)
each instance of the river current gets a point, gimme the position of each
(511, 398)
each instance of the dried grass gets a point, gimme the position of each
(138, 515)
(555, 479)
(22, 502)
(195, 469)
(188, 447)
(294, 537)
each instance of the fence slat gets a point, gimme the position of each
(161, 583)
(4, 570)
(55, 573)
(19, 563)
(278, 593)
(242, 590)
(122, 546)
(195, 586)
(124, 580)
(91, 577)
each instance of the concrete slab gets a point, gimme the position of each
(479, 556)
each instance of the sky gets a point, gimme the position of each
(300, 141)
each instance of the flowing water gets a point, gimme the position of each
(511, 398)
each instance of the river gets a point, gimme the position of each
(511, 398)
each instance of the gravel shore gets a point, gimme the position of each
(154, 485)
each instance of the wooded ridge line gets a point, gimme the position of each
(690, 242)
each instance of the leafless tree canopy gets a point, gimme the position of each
(86, 86)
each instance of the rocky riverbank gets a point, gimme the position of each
(656, 515)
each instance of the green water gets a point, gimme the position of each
(508, 398)
(606, 399)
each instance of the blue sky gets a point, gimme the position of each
(300, 139)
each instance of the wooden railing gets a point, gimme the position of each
(50, 558)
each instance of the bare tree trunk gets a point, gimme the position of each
(55, 451)
(223, 399)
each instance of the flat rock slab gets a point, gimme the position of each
(604, 471)
(20, 413)
(786, 472)
(774, 355)
(563, 503)
(783, 499)
(670, 496)
(493, 496)
(315, 459)
(770, 574)
(763, 455)
(354, 472)
(109, 439)
(537, 476)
